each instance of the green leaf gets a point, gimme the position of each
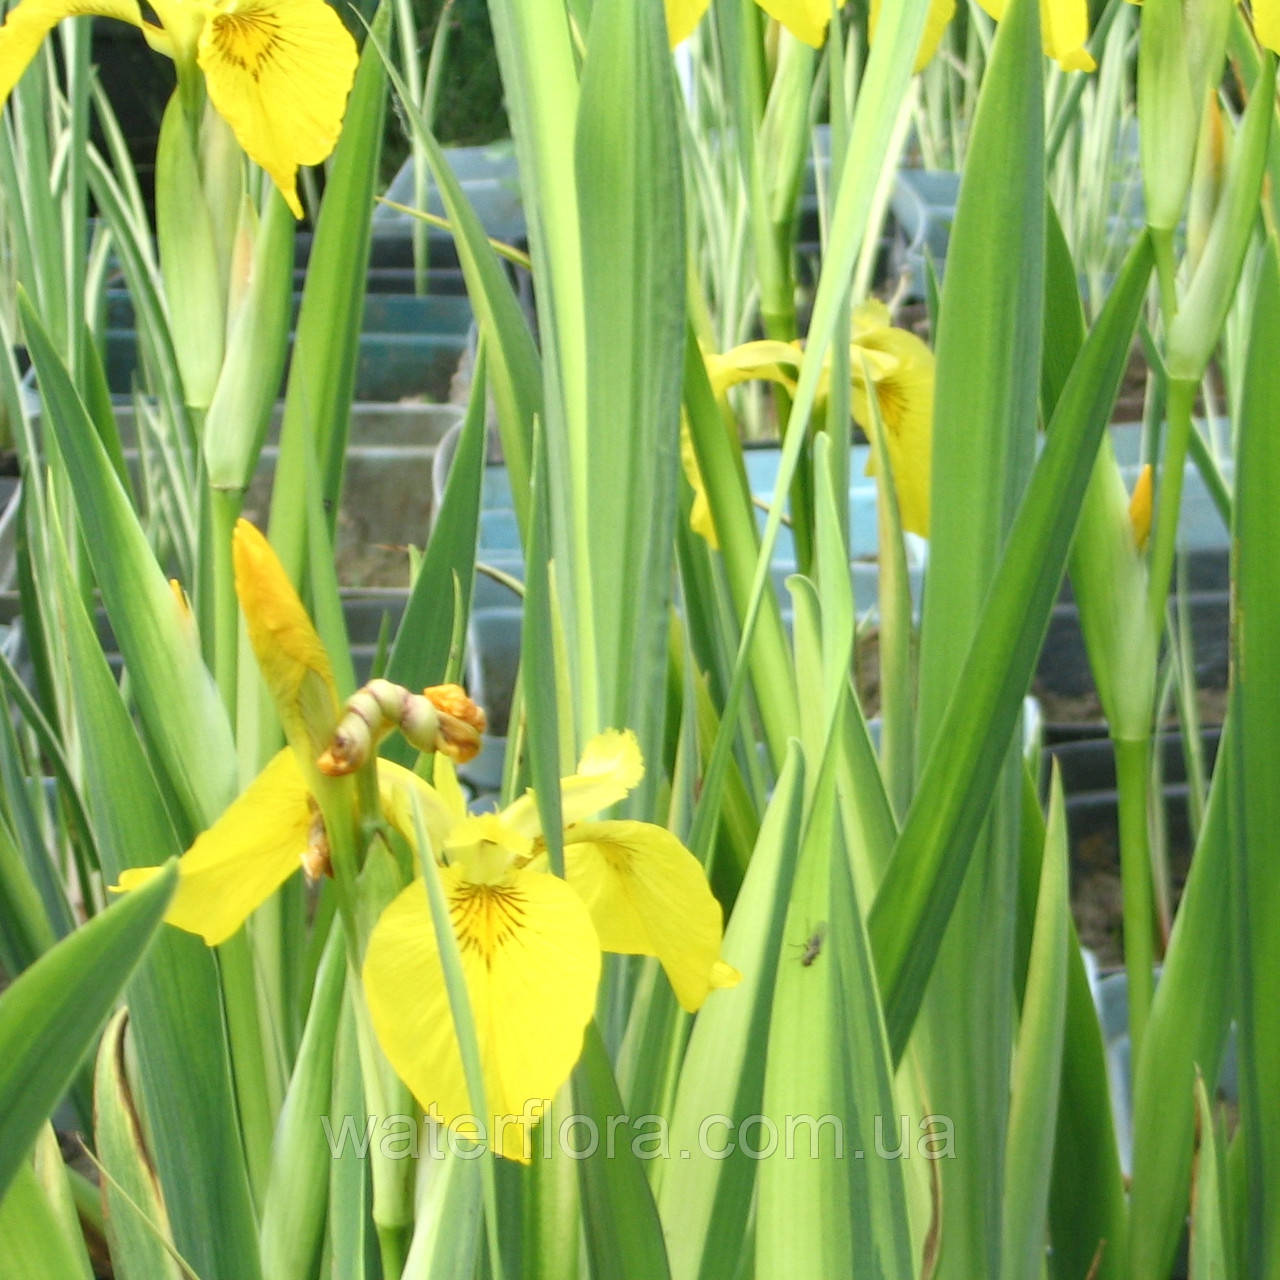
(421, 650)
(51, 1014)
(1194, 331)
(829, 1201)
(1209, 1217)
(322, 372)
(1254, 812)
(624, 1235)
(293, 1211)
(35, 1242)
(137, 1223)
(176, 697)
(1037, 1067)
(929, 860)
(1185, 1033)
(988, 367)
(1087, 1206)
(706, 1201)
(174, 999)
(630, 188)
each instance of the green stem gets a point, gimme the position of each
(1164, 534)
(225, 507)
(1133, 759)
(1166, 272)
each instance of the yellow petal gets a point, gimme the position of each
(805, 19)
(1140, 508)
(29, 22)
(278, 72)
(1266, 23)
(648, 895)
(905, 397)
(768, 359)
(682, 17)
(487, 848)
(397, 787)
(532, 964)
(235, 866)
(292, 658)
(1064, 30)
(610, 769)
(940, 13)
(700, 520)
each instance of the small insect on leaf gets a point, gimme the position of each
(813, 946)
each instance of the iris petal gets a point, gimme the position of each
(291, 655)
(240, 861)
(610, 769)
(532, 963)
(648, 895)
(28, 23)
(279, 72)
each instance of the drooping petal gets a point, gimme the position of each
(1064, 30)
(610, 768)
(532, 964)
(648, 895)
(278, 72)
(240, 861)
(805, 19)
(290, 653)
(28, 23)
(904, 394)
(765, 359)
(940, 13)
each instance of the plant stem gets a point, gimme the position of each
(1133, 772)
(1164, 536)
(225, 506)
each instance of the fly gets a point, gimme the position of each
(813, 948)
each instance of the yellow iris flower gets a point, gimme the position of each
(274, 828)
(530, 941)
(805, 19)
(530, 944)
(278, 71)
(901, 369)
(1064, 29)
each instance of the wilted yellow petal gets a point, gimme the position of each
(610, 769)
(235, 866)
(292, 658)
(1064, 30)
(905, 395)
(29, 22)
(532, 965)
(278, 72)
(648, 895)
(940, 13)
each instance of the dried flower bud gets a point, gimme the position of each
(442, 718)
